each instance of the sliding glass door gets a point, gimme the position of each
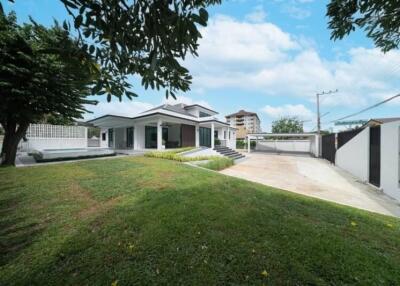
(129, 137)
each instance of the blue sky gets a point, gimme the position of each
(270, 57)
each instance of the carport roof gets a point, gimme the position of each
(263, 134)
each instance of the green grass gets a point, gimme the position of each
(218, 163)
(146, 221)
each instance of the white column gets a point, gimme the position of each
(86, 137)
(197, 135)
(159, 134)
(212, 135)
(317, 146)
(248, 144)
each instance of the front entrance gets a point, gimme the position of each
(205, 136)
(375, 156)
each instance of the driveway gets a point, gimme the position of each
(312, 177)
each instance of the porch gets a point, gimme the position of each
(163, 132)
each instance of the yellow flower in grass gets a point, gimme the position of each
(353, 223)
(389, 225)
(264, 273)
(115, 283)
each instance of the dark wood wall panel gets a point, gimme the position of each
(188, 134)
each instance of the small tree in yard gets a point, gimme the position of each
(287, 125)
(37, 81)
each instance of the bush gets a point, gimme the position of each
(242, 144)
(217, 142)
(218, 164)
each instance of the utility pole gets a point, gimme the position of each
(318, 108)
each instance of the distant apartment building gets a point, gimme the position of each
(245, 122)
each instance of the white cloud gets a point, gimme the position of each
(299, 111)
(297, 12)
(263, 57)
(227, 41)
(123, 108)
(258, 15)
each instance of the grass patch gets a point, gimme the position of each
(146, 221)
(218, 163)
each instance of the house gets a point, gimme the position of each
(166, 126)
(246, 122)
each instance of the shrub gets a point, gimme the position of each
(217, 142)
(218, 164)
(242, 144)
(176, 155)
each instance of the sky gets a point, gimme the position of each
(266, 56)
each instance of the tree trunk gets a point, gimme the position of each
(12, 137)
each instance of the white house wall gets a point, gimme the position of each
(390, 159)
(354, 155)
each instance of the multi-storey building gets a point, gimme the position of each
(245, 122)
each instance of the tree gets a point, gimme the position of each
(37, 81)
(380, 19)
(142, 37)
(287, 125)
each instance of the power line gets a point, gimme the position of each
(368, 108)
(318, 109)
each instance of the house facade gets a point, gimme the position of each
(166, 126)
(245, 122)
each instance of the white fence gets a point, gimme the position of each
(290, 146)
(46, 136)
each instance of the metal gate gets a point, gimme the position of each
(328, 147)
(375, 156)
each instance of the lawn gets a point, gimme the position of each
(150, 221)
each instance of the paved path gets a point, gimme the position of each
(312, 177)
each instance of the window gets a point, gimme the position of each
(229, 135)
(103, 136)
(215, 134)
(203, 114)
(224, 134)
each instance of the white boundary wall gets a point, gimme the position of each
(390, 157)
(354, 156)
(46, 136)
(295, 146)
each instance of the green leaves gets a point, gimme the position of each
(379, 19)
(140, 37)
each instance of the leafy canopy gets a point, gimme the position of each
(35, 79)
(287, 125)
(147, 38)
(380, 19)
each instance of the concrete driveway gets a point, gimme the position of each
(312, 177)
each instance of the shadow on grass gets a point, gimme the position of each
(224, 234)
(17, 231)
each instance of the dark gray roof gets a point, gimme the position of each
(386, 120)
(178, 108)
